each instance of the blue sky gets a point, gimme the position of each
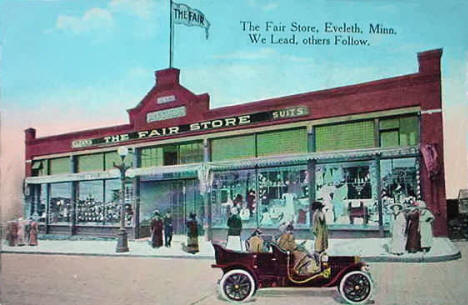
(68, 65)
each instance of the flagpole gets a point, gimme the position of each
(171, 35)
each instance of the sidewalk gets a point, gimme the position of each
(370, 249)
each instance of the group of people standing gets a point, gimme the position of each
(160, 224)
(411, 228)
(22, 232)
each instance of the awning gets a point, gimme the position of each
(202, 169)
(166, 172)
(37, 165)
(320, 157)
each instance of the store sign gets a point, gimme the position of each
(165, 114)
(166, 99)
(235, 121)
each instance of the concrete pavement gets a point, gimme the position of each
(370, 249)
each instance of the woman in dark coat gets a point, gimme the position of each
(413, 242)
(192, 234)
(156, 230)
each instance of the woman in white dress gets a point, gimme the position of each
(398, 241)
(425, 225)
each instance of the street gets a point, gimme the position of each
(68, 280)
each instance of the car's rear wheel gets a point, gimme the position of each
(356, 287)
(237, 285)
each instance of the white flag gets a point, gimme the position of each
(184, 14)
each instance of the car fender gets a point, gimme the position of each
(229, 267)
(337, 278)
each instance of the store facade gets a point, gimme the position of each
(357, 148)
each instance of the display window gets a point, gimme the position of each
(38, 202)
(349, 192)
(41, 204)
(90, 204)
(60, 205)
(283, 196)
(112, 202)
(399, 182)
(234, 190)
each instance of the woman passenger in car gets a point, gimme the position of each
(304, 263)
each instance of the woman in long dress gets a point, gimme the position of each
(319, 228)
(413, 242)
(156, 230)
(425, 226)
(398, 241)
(21, 232)
(192, 234)
(234, 224)
(33, 233)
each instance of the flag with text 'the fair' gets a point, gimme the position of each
(184, 14)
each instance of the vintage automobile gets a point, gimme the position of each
(244, 273)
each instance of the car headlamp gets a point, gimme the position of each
(365, 268)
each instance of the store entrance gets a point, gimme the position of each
(179, 197)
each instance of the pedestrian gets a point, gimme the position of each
(255, 242)
(425, 226)
(398, 241)
(21, 224)
(413, 242)
(167, 229)
(33, 241)
(27, 230)
(156, 230)
(319, 228)
(12, 233)
(192, 234)
(234, 224)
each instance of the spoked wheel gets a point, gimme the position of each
(237, 285)
(356, 287)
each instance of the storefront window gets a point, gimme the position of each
(352, 135)
(94, 162)
(399, 183)
(90, 208)
(112, 203)
(348, 192)
(400, 131)
(172, 154)
(41, 204)
(38, 202)
(234, 189)
(60, 203)
(284, 196)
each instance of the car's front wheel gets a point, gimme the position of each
(237, 285)
(356, 287)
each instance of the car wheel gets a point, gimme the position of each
(237, 285)
(356, 287)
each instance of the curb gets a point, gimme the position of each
(429, 259)
(107, 255)
(370, 259)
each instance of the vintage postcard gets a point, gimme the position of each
(216, 152)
